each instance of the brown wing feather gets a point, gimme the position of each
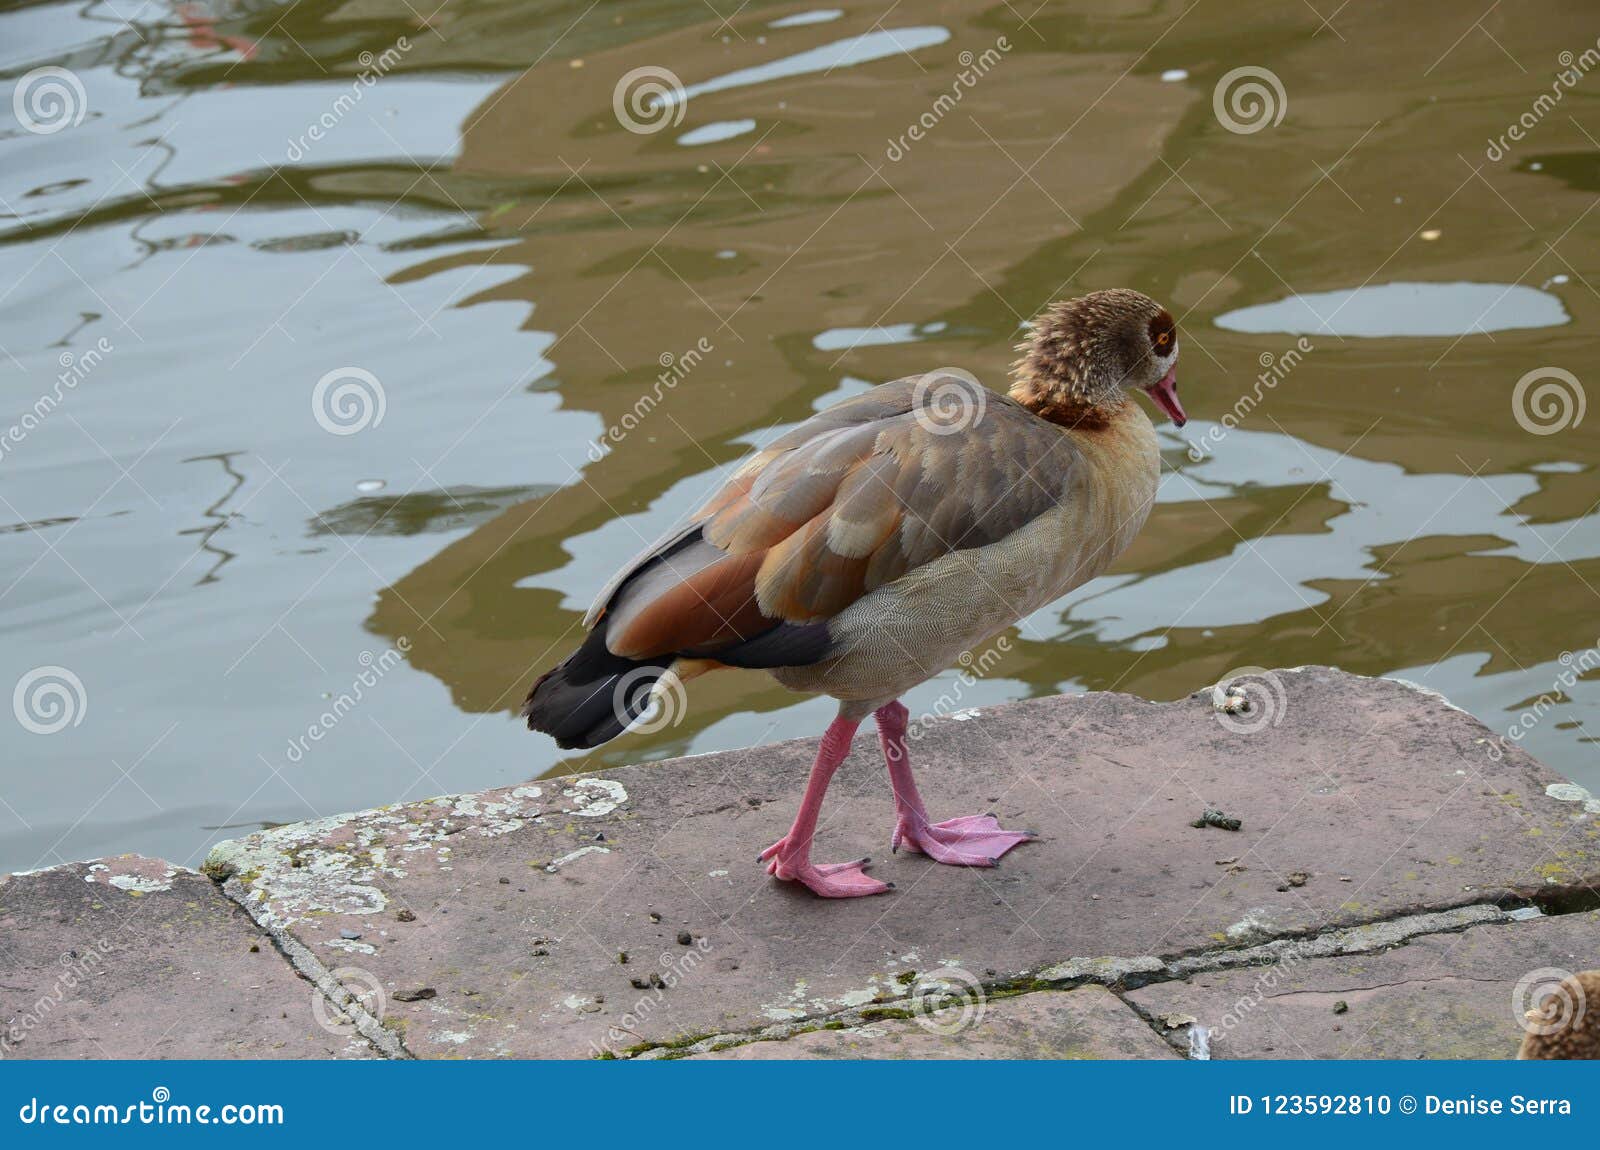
(850, 500)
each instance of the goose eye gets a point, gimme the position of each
(1163, 333)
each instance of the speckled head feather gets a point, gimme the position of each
(1084, 355)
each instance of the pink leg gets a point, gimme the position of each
(791, 855)
(972, 840)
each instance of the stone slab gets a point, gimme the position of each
(1089, 1022)
(502, 917)
(134, 958)
(1438, 996)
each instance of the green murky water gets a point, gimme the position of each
(312, 314)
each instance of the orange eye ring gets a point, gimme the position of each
(1163, 334)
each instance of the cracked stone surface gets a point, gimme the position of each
(1089, 1022)
(495, 923)
(624, 912)
(135, 958)
(1437, 996)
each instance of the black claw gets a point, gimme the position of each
(994, 862)
(1032, 834)
(890, 885)
(866, 860)
(990, 815)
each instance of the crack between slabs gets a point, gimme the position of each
(311, 968)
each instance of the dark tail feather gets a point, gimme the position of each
(592, 697)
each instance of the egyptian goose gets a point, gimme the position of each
(862, 552)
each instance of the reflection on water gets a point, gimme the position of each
(845, 53)
(238, 215)
(446, 510)
(1403, 309)
(716, 133)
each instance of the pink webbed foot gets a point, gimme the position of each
(828, 880)
(971, 840)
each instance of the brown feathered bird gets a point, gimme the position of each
(1566, 1021)
(862, 552)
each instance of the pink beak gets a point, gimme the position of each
(1165, 395)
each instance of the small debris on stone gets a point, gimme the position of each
(656, 981)
(405, 915)
(1341, 1006)
(255, 948)
(622, 957)
(350, 935)
(600, 838)
(1346, 878)
(540, 952)
(654, 917)
(1211, 817)
(420, 994)
(685, 938)
(505, 882)
(1227, 861)
(639, 983)
(1298, 878)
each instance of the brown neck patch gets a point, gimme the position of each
(1065, 410)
